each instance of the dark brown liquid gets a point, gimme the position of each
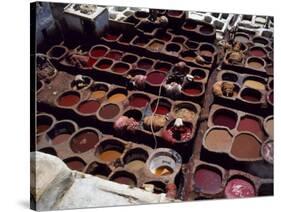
(75, 165)
(42, 128)
(109, 111)
(89, 106)
(125, 180)
(84, 141)
(68, 100)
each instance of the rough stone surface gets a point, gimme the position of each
(55, 187)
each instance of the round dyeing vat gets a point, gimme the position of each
(225, 118)
(98, 94)
(239, 188)
(124, 177)
(257, 52)
(156, 77)
(254, 84)
(98, 51)
(267, 151)
(110, 150)
(255, 62)
(135, 159)
(193, 89)
(98, 170)
(111, 36)
(164, 163)
(251, 124)
(88, 107)
(242, 38)
(162, 67)
(246, 146)
(189, 25)
(145, 64)
(206, 50)
(109, 111)
(117, 97)
(269, 126)
(104, 64)
(120, 68)
(84, 140)
(75, 163)
(198, 74)
(251, 95)
(206, 29)
(138, 100)
(44, 122)
(68, 99)
(208, 180)
(156, 46)
(218, 140)
(163, 107)
(115, 55)
(61, 132)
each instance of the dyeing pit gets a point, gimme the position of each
(193, 89)
(218, 139)
(109, 111)
(61, 132)
(251, 95)
(117, 95)
(109, 150)
(68, 99)
(115, 55)
(251, 124)
(44, 122)
(124, 177)
(75, 163)
(226, 118)
(254, 84)
(257, 52)
(104, 64)
(156, 46)
(239, 188)
(165, 67)
(135, 159)
(120, 68)
(207, 179)
(156, 77)
(84, 140)
(98, 170)
(246, 147)
(144, 64)
(99, 91)
(88, 106)
(163, 108)
(138, 100)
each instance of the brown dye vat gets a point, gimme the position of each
(98, 170)
(88, 107)
(140, 41)
(207, 180)
(255, 62)
(254, 84)
(135, 159)
(251, 124)
(229, 77)
(156, 77)
(120, 68)
(269, 126)
(84, 141)
(99, 94)
(98, 51)
(109, 111)
(61, 132)
(116, 98)
(172, 47)
(125, 180)
(218, 140)
(206, 50)
(124, 177)
(75, 163)
(130, 58)
(225, 118)
(246, 146)
(162, 66)
(156, 46)
(110, 155)
(68, 99)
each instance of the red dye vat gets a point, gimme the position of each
(114, 55)
(120, 68)
(144, 64)
(138, 101)
(109, 36)
(98, 52)
(68, 100)
(161, 109)
(225, 118)
(207, 181)
(252, 125)
(257, 52)
(104, 64)
(192, 90)
(89, 107)
(155, 77)
(239, 188)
